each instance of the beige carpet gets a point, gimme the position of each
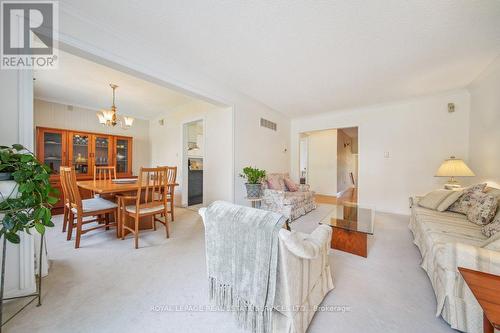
(107, 286)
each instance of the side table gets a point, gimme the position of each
(486, 289)
(255, 202)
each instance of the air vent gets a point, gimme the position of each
(268, 124)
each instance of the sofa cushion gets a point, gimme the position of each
(450, 200)
(290, 185)
(439, 199)
(482, 209)
(444, 227)
(492, 228)
(275, 181)
(294, 198)
(463, 203)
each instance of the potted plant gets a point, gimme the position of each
(254, 178)
(26, 201)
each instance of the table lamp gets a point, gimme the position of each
(454, 167)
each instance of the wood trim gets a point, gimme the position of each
(78, 131)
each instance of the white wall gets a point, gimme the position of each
(258, 146)
(9, 126)
(166, 147)
(322, 162)
(49, 114)
(485, 125)
(418, 134)
(253, 145)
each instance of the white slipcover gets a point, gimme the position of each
(304, 277)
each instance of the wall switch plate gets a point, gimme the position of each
(451, 107)
(387, 154)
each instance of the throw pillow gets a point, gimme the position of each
(463, 203)
(492, 228)
(275, 182)
(493, 243)
(290, 185)
(433, 199)
(449, 200)
(482, 209)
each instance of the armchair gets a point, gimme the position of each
(290, 204)
(303, 280)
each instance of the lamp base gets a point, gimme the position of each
(452, 186)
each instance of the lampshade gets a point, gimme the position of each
(128, 121)
(101, 118)
(107, 114)
(454, 167)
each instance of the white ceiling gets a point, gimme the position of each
(302, 57)
(84, 83)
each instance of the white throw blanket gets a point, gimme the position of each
(242, 257)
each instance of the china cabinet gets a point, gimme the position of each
(82, 150)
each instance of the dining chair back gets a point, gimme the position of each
(65, 193)
(149, 201)
(104, 172)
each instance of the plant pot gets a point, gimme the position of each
(253, 190)
(6, 176)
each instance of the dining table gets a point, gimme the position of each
(120, 186)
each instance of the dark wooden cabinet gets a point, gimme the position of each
(82, 150)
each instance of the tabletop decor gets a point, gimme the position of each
(454, 167)
(24, 204)
(254, 178)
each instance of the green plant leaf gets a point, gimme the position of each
(40, 228)
(52, 200)
(17, 146)
(26, 158)
(13, 238)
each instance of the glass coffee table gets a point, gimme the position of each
(351, 226)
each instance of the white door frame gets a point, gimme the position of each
(185, 157)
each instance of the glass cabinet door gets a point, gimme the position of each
(53, 150)
(102, 150)
(79, 153)
(122, 156)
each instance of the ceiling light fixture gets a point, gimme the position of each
(109, 117)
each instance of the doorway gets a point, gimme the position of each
(328, 162)
(194, 155)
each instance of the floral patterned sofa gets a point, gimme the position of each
(281, 195)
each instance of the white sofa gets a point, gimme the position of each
(446, 241)
(304, 277)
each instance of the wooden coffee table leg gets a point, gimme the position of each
(487, 327)
(350, 241)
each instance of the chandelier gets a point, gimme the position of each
(109, 117)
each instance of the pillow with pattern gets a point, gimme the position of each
(483, 209)
(492, 228)
(276, 182)
(463, 203)
(290, 185)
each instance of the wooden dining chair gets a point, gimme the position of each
(104, 172)
(79, 209)
(66, 206)
(148, 201)
(171, 178)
